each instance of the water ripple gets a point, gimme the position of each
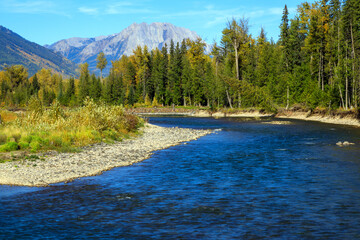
(248, 181)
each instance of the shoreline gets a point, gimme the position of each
(297, 115)
(305, 116)
(96, 159)
(204, 113)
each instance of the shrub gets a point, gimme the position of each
(147, 100)
(111, 134)
(36, 107)
(56, 111)
(35, 146)
(65, 130)
(131, 122)
(23, 145)
(56, 141)
(155, 103)
(96, 136)
(26, 138)
(9, 146)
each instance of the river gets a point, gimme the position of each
(248, 180)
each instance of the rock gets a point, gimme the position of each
(344, 144)
(339, 143)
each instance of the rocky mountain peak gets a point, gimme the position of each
(153, 35)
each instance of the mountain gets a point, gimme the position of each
(154, 35)
(14, 49)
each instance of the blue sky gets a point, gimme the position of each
(47, 21)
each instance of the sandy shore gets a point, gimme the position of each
(319, 118)
(205, 113)
(96, 159)
(306, 116)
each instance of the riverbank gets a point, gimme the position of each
(95, 159)
(200, 112)
(336, 117)
(347, 118)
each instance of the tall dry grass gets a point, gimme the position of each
(66, 129)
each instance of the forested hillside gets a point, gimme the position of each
(315, 63)
(14, 49)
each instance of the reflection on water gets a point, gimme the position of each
(249, 181)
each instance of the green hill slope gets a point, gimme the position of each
(14, 49)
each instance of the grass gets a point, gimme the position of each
(65, 130)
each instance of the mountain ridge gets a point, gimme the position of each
(14, 50)
(154, 35)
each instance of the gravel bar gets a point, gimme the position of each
(94, 160)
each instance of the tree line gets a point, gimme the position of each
(314, 63)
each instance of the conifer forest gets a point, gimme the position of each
(314, 63)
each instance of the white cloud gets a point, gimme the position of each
(209, 7)
(87, 10)
(126, 8)
(115, 8)
(276, 11)
(31, 7)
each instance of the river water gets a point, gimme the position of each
(251, 180)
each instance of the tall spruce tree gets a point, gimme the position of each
(157, 76)
(164, 73)
(70, 97)
(60, 96)
(84, 84)
(351, 28)
(34, 86)
(284, 42)
(95, 88)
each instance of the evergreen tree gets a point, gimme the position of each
(142, 59)
(95, 90)
(70, 97)
(35, 86)
(164, 73)
(60, 96)
(157, 77)
(284, 42)
(4, 89)
(118, 90)
(84, 84)
(131, 96)
(174, 74)
(351, 29)
(186, 79)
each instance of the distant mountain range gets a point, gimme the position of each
(155, 35)
(63, 56)
(14, 49)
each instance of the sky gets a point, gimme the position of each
(48, 21)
